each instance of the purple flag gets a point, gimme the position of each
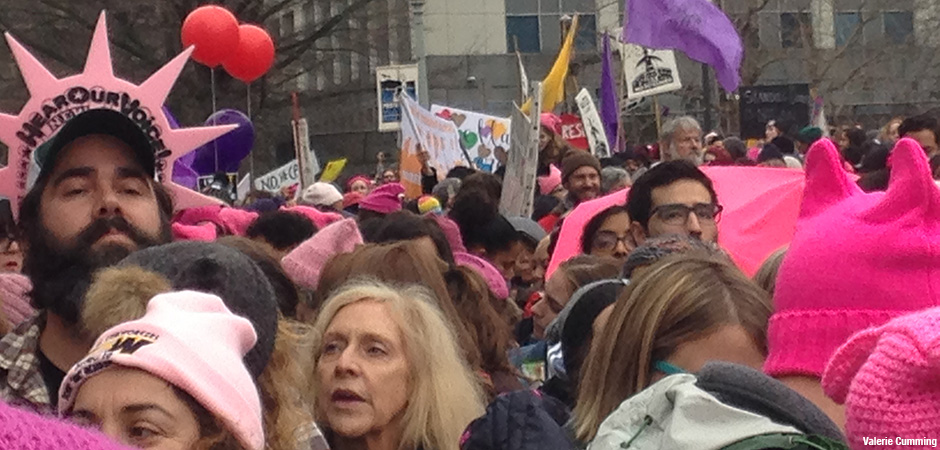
(609, 105)
(696, 27)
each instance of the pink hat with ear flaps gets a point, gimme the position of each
(857, 260)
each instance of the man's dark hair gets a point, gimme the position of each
(283, 230)
(406, 226)
(919, 123)
(460, 172)
(640, 200)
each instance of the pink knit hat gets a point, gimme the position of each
(548, 183)
(237, 221)
(451, 231)
(857, 260)
(385, 199)
(889, 380)
(23, 430)
(483, 268)
(229, 220)
(550, 121)
(14, 296)
(355, 178)
(192, 341)
(319, 218)
(305, 263)
(204, 233)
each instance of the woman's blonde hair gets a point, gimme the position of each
(445, 394)
(766, 276)
(680, 299)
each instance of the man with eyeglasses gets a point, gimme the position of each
(674, 198)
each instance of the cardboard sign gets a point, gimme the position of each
(277, 179)
(389, 80)
(789, 104)
(593, 126)
(572, 131)
(485, 138)
(436, 136)
(244, 187)
(649, 72)
(332, 170)
(517, 199)
(53, 101)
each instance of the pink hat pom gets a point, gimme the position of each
(888, 377)
(319, 218)
(490, 274)
(549, 183)
(305, 263)
(204, 233)
(14, 295)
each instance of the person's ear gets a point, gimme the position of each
(639, 234)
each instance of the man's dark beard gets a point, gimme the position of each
(61, 274)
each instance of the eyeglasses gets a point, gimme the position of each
(608, 240)
(678, 214)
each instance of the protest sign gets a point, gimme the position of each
(593, 126)
(332, 170)
(572, 131)
(519, 183)
(389, 80)
(790, 105)
(485, 138)
(306, 158)
(244, 187)
(649, 72)
(228, 184)
(277, 179)
(53, 101)
(436, 136)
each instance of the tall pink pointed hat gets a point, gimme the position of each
(53, 101)
(857, 260)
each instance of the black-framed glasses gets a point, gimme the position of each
(607, 240)
(678, 214)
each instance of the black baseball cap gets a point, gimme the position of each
(99, 121)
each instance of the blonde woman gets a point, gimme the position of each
(679, 314)
(388, 374)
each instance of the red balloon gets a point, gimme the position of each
(213, 30)
(253, 56)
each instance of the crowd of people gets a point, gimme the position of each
(347, 316)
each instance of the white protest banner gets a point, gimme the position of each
(244, 187)
(593, 126)
(485, 138)
(388, 81)
(277, 179)
(519, 183)
(649, 72)
(437, 137)
(309, 164)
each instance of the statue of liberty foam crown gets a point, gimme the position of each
(54, 101)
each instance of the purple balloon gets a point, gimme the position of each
(226, 152)
(185, 176)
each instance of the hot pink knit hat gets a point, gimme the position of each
(237, 221)
(192, 341)
(548, 183)
(889, 380)
(857, 260)
(550, 121)
(204, 233)
(14, 296)
(385, 199)
(451, 231)
(483, 268)
(319, 218)
(305, 263)
(23, 430)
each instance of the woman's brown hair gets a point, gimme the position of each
(399, 263)
(680, 299)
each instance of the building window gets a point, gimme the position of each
(796, 30)
(535, 25)
(287, 25)
(899, 26)
(847, 27)
(524, 32)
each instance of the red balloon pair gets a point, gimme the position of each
(214, 31)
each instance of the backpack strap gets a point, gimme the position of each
(787, 441)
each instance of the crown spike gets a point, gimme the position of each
(158, 86)
(99, 62)
(37, 78)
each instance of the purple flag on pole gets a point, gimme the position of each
(698, 28)
(609, 104)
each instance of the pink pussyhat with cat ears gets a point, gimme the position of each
(857, 260)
